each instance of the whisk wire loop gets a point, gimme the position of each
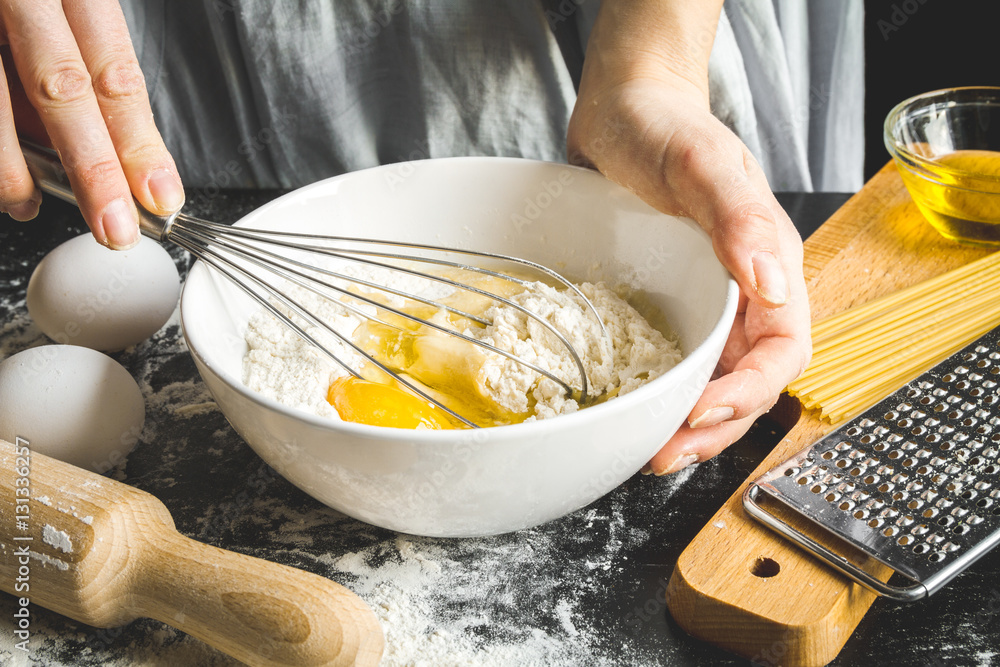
(211, 242)
(219, 263)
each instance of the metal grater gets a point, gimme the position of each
(914, 482)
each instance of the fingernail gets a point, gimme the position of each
(121, 227)
(712, 416)
(769, 278)
(646, 469)
(681, 462)
(25, 210)
(167, 191)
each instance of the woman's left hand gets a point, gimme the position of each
(645, 123)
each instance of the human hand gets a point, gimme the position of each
(69, 78)
(651, 130)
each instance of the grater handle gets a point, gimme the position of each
(757, 511)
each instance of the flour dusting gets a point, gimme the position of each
(57, 538)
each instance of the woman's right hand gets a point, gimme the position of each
(70, 79)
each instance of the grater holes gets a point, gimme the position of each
(876, 522)
(817, 488)
(960, 529)
(982, 363)
(921, 549)
(905, 540)
(871, 479)
(827, 455)
(946, 521)
(937, 556)
(930, 512)
(890, 415)
(926, 400)
(890, 531)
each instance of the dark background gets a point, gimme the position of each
(914, 46)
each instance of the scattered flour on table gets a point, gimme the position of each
(422, 599)
(282, 366)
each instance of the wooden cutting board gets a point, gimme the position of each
(740, 586)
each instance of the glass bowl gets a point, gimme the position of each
(946, 145)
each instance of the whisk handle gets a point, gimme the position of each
(50, 176)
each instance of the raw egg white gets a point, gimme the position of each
(71, 403)
(82, 293)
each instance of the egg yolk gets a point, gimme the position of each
(365, 402)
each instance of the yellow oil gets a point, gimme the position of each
(445, 367)
(965, 205)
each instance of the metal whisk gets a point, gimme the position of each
(290, 257)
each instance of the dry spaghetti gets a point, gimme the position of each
(865, 353)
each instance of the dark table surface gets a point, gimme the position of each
(586, 589)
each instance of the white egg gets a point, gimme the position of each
(71, 403)
(82, 293)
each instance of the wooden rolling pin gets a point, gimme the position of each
(104, 554)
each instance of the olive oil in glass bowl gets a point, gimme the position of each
(946, 145)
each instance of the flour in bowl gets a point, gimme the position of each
(492, 388)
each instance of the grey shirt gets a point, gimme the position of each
(279, 93)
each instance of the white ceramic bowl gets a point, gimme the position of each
(493, 480)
